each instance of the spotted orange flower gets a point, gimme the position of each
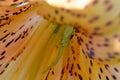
(59, 40)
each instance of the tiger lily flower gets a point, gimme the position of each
(59, 40)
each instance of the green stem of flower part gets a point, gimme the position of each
(64, 42)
